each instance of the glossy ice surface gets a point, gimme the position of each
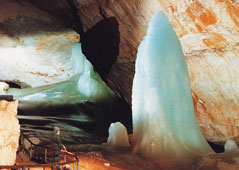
(84, 85)
(164, 122)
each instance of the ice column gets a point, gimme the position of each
(164, 122)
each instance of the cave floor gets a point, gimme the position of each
(103, 157)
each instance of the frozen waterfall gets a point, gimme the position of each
(84, 85)
(164, 123)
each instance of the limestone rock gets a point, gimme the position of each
(35, 48)
(9, 132)
(3, 88)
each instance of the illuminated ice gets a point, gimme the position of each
(164, 122)
(84, 85)
(118, 136)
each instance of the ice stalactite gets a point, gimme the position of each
(164, 122)
(84, 85)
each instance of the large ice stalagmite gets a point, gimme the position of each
(84, 85)
(164, 123)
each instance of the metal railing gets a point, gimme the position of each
(35, 145)
(75, 163)
(75, 160)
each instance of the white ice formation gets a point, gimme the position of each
(3, 88)
(164, 123)
(84, 85)
(230, 146)
(118, 136)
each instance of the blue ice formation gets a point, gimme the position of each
(164, 123)
(84, 85)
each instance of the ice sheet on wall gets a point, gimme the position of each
(164, 122)
(84, 85)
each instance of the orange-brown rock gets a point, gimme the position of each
(209, 33)
(9, 132)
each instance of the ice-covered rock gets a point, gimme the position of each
(164, 123)
(118, 135)
(84, 85)
(230, 146)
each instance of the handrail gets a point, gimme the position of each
(76, 160)
(46, 148)
(35, 145)
(32, 142)
(28, 166)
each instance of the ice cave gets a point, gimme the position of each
(119, 85)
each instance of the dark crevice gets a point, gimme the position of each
(13, 85)
(100, 44)
(217, 148)
(101, 12)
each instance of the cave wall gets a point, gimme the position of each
(208, 31)
(35, 48)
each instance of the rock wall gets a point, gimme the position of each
(9, 132)
(208, 31)
(35, 48)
